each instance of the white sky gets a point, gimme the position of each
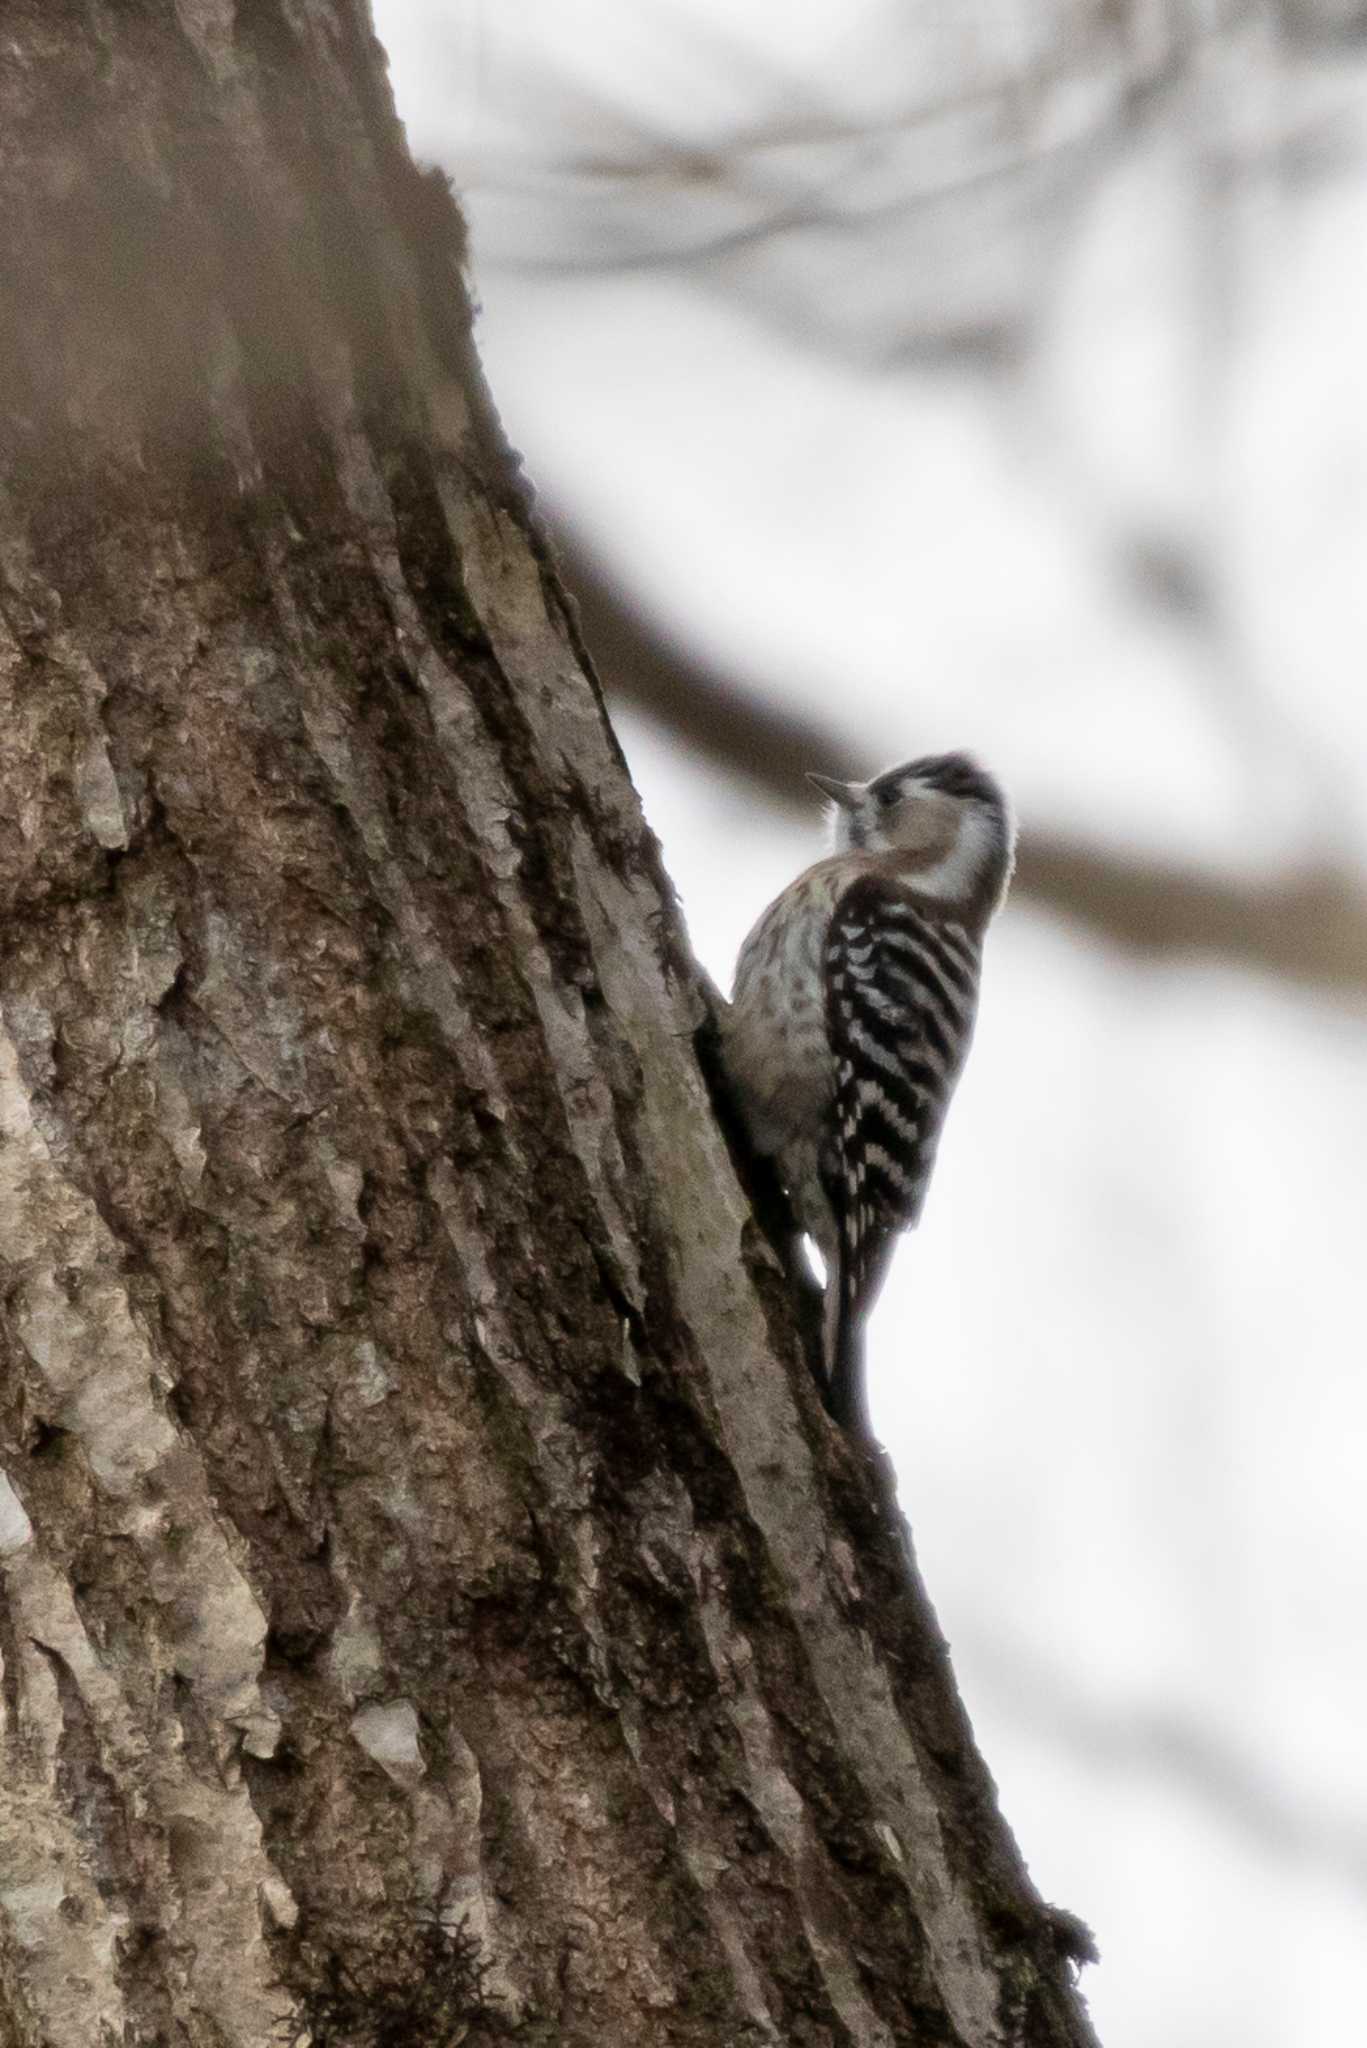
(1120, 1367)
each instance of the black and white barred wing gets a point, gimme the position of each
(901, 990)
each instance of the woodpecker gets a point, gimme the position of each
(851, 1016)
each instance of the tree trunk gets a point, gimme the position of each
(436, 1609)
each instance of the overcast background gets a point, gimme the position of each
(992, 375)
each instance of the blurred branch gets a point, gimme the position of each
(1309, 927)
(887, 231)
(808, 197)
(1156, 1744)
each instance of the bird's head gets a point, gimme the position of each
(944, 816)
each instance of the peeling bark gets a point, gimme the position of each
(435, 1607)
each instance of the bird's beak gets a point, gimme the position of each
(846, 794)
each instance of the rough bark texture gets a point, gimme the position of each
(435, 1608)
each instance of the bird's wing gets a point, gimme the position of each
(901, 990)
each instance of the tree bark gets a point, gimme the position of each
(435, 1607)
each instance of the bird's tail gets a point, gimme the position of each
(843, 1345)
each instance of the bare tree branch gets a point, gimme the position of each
(1309, 927)
(1175, 1749)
